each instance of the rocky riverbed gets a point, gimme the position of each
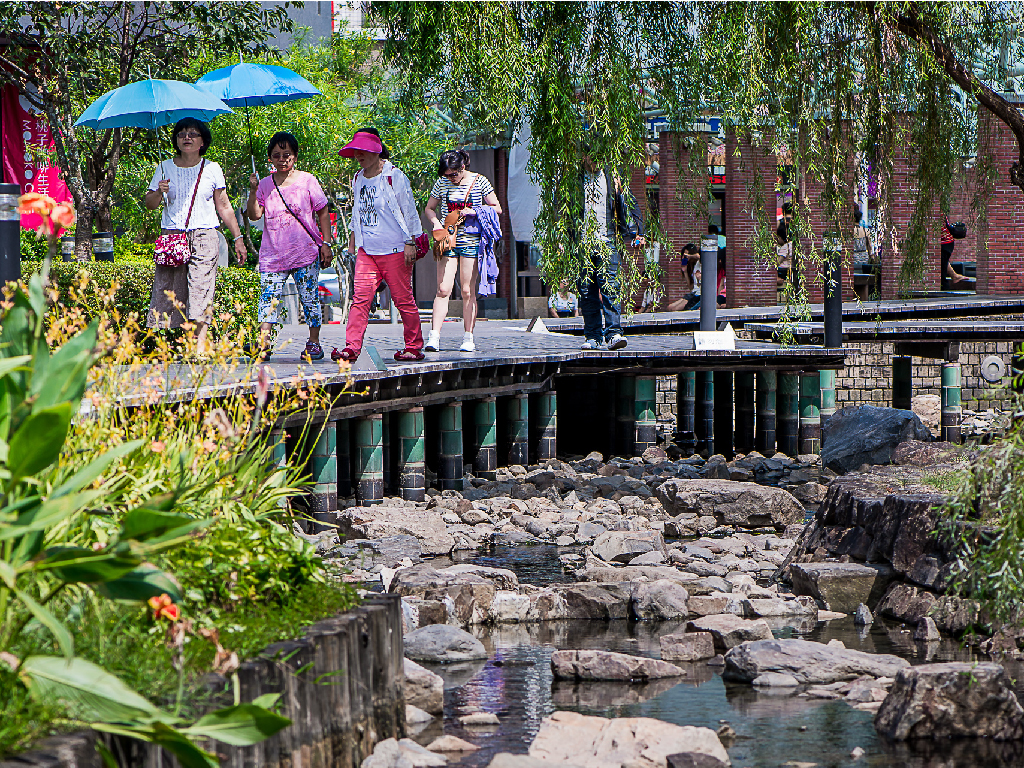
(678, 607)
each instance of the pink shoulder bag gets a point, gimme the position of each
(172, 250)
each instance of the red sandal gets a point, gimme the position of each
(348, 355)
(409, 355)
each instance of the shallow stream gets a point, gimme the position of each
(772, 728)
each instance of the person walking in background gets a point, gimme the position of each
(950, 278)
(292, 245)
(562, 302)
(459, 190)
(613, 216)
(193, 193)
(385, 224)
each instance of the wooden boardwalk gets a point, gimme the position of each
(905, 330)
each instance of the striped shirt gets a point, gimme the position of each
(444, 191)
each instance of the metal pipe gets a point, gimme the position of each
(833, 308)
(708, 283)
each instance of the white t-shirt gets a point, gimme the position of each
(595, 192)
(382, 232)
(179, 196)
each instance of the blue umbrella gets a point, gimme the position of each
(151, 104)
(255, 85)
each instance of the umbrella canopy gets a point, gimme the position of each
(254, 85)
(151, 104)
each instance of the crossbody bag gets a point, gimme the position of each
(172, 250)
(317, 241)
(444, 239)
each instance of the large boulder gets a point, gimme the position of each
(728, 630)
(607, 665)
(914, 453)
(508, 760)
(864, 434)
(623, 546)
(952, 700)
(404, 753)
(468, 591)
(687, 646)
(597, 601)
(639, 742)
(663, 599)
(378, 522)
(731, 502)
(443, 644)
(807, 661)
(423, 688)
(840, 586)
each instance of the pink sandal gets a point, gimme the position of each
(409, 355)
(348, 355)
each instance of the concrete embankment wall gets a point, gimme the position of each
(347, 696)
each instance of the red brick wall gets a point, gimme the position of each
(1000, 240)
(680, 223)
(904, 185)
(748, 283)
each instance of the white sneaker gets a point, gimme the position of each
(617, 341)
(591, 344)
(433, 342)
(468, 345)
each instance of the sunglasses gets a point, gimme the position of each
(452, 174)
(189, 135)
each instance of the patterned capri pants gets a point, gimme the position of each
(306, 281)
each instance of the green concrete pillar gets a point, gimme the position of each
(450, 423)
(323, 469)
(767, 383)
(744, 412)
(411, 450)
(951, 408)
(810, 412)
(519, 430)
(789, 413)
(645, 415)
(625, 415)
(485, 465)
(278, 447)
(370, 459)
(827, 380)
(686, 408)
(547, 425)
(902, 381)
(724, 407)
(705, 417)
(344, 454)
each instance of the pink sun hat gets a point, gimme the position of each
(367, 142)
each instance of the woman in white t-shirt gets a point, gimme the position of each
(175, 184)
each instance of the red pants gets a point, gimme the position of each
(393, 270)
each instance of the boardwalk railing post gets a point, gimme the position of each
(810, 412)
(789, 413)
(833, 308)
(279, 450)
(344, 454)
(485, 464)
(519, 430)
(547, 425)
(744, 412)
(951, 408)
(767, 382)
(323, 467)
(724, 413)
(411, 455)
(625, 410)
(686, 408)
(370, 459)
(705, 420)
(645, 414)
(902, 381)
(708, 283)
(450, 476)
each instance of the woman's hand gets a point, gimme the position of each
(468, 212)
(326, 255)
(240, 253)
(164, 186)
(410, 253)
(254, 181)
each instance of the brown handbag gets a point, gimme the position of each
(444, 239)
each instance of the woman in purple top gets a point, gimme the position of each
(290, 199)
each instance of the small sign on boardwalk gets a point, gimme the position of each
(706, 340)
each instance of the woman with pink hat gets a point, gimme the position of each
(385, 224)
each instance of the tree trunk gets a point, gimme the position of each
(83, 234)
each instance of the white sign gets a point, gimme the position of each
(704, 340)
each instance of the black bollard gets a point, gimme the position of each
(103, 246)
(10, 233)
(708, 283)
(686, 406)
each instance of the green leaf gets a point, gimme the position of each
(42, 516)
(8, 364)
(38, 441)
(188, 754)
(91, 692)
(144, 582)
(145, 524)
(65, 372)
(8, 574)
(109, 761)
(48, 620)
(241, 725)
(77, 565)
(87, 474)
(267, 700)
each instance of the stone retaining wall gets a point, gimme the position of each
(348, 697)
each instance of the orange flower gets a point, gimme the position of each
(33, 202)
(63, 215)
(157, 446)
(164, 608)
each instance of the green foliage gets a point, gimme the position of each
(33, 248)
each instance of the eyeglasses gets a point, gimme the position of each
(452, 174)
(190, 135)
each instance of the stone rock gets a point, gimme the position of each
(694, 760)
(687, 646)
(915, 453)
(392, 549)
(623, 546)
(810, 493)
(414, 715)
(864, 434)
(597, 601)
(807, 661)
(607, 665)
(928, 409)
(609, 574)
(728, 502)
(840, 586)
(648, 558)
(926, 630)
(443, 643)
(508, 760)
(863, 617)
(637, 742)
(658, 600)
(775, 680)
(654, 455)
(909, 604)
(479, 718)
(449, 743)
(423, 688)
(716, 468)
(381, 521)
(708, 605)
(392, 753)
(729, 631)
(951, 700)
